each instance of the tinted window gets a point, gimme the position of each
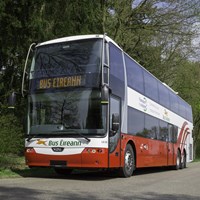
(116, 71)
(175, 134)
(173, 102)
(163, 95)
(182, 109)
(114, 109)
(134, 75)
(105, 69)
(135, 122)
(151, 127)
(163, 131)
(68, 58)
(189, 113)
(150, 85)
(116, 62)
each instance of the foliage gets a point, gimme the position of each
(11, 135)
(157, 33)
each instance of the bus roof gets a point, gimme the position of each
(77, 37)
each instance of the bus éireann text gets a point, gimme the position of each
(91, 106)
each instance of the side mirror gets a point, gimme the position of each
(115, 122)
(12, 100)
(104, 94)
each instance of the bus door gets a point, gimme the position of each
(170, 146)
(114, 132)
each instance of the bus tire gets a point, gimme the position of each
(184, 161)
(129, 162)
(178, 161)
(63, 171)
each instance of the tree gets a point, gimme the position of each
(26, 21)
(188, 86)
(156, 33)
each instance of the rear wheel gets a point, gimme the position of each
(178, 161)
(129, 162)
(184, 161)
(63, 171)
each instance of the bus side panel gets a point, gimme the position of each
(170, 154)
(149, 152)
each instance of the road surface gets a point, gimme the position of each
(151, 184)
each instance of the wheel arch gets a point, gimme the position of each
(178, 150)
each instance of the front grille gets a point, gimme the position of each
(57, 149)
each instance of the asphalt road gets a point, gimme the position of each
(154, 184)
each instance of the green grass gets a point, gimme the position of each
(12, 166)
(197, 160)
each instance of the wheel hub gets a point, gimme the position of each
(128, 161)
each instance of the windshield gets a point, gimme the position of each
(71, 112)
(66, 65)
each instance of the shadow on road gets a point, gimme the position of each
(89, 175)
(17, 193)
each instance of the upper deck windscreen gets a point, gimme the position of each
(67, 64)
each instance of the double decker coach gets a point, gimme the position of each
(91, 106)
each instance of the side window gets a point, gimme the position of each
(150, 86)
(114, 109)
(105, 69)
(163, 131)
(151, 127)
(170, 133)
(189, 113)
(173, 102)
(163, 95)
(134, 75)
(116, 71)
(182, 109)
(175, 134)
(135, 122)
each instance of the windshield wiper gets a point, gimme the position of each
(31, 137)
(72, 131)
(84, 137)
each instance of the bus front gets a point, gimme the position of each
(67, 122)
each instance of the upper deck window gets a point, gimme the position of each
(116, 71)
(134, 75)
(151, 86)
(67, 58)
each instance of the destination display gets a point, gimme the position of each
(61, 82)
(51, 84)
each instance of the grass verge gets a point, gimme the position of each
(197, 160)
(12, 166)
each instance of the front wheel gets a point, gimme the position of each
(129, 162)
